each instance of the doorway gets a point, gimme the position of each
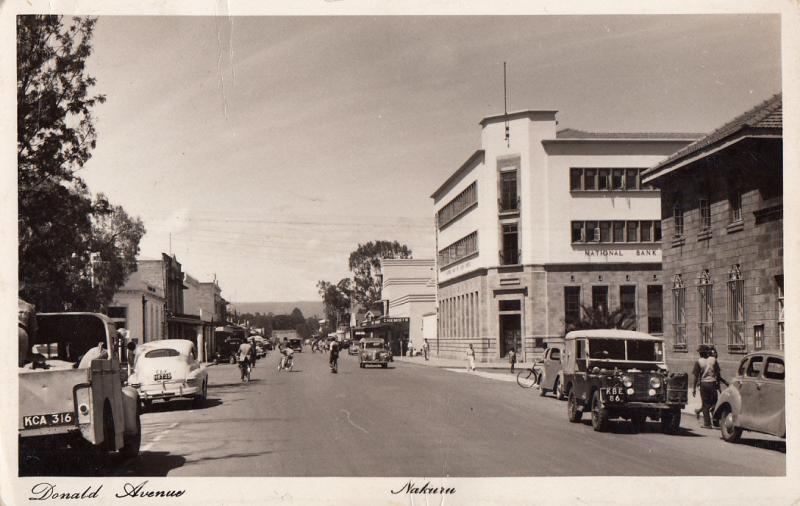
(510, 333)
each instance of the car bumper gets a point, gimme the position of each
(374, 362)
(656, 406)
(167, 391)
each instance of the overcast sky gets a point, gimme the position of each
(269, 147)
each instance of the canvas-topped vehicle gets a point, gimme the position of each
(621, 374)
(70, 390)
(373, 352)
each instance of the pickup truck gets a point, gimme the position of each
(70, 390)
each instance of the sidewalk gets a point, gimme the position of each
(491, 370)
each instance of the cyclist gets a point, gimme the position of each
(244, 358)
(286, 359)
(334, 357)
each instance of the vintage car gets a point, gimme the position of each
(168, 369)
(354, 349)
(296, 344)
(755, 399)
(550, 367)
(373, 352)
(621, 374)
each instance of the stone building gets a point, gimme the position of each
(722, 210)
(540, 221)
(166, 275)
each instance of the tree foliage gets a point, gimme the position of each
(336, 300)
(600, 318)
(74, 251)
(365, 263)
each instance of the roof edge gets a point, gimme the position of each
(455, 175)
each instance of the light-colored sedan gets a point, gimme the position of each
(169, 369)
(373, 352)
(755, 399)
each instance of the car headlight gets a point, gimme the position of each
(655, 382)
(627, 381)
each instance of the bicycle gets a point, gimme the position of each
(528, 378)
(244, 365)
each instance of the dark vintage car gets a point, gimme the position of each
(373, 352)
(296, 344)
(755, 399)
(621, 374)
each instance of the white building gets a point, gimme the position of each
(540, 221)
(409, 291)
(138, 307)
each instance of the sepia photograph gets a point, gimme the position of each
(428, 251)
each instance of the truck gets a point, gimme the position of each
(66, 399)
(279, 336)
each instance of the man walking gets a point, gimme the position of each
(512, 358)
(425, 349)
(470, 358)
(707, 376)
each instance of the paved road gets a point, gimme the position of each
(411, 420)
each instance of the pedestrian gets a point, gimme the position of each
(425, 348)
(512, 358)
(707, 377)
(470, 358)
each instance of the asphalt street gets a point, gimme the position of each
(411, 420)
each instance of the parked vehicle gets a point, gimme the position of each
(353, 349)
(552, 378)
(68, 399)
(373, 352)
(621, 374)
(296, 344)
(168, 369)
(755, 399)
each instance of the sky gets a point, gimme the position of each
(263, 150)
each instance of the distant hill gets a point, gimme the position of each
(308, 307)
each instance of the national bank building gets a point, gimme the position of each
(539, 222)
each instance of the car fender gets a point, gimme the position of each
(732, 398)
(130, 408)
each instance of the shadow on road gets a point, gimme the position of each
(151, 464)
(234, 384)
(625, 427)
(766, 444)
(180, 404)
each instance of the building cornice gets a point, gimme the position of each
(477, 155)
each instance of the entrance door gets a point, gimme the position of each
(510, 333)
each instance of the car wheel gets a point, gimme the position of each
(201, 398)
(730, 432)
(558, 390)
(670, 421)
(599, 413)
(384, 365)
(573, 413)
(638, 421)
(132, 442)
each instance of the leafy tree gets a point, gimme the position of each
(74, 251)
(336, 300)
(600, 318)
(365, 263)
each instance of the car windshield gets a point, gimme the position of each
(373, 345)
(637, 350)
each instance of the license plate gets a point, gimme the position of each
(162, 376)
(613, 394)
(48, 420)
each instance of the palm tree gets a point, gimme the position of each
(600, 318)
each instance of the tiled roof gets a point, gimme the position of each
(767, 115)
(572, 133)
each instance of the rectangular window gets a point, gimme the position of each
(657, 231)
(655, 312)
(603, 176)
(632, 231)
(459, 204)
(619, 231)
(618, 179)
(577, 231)
(679, 316)
(627, 302)
(572, 305)
(705, 321)
(600, 298)
(510, 253)
(592, 232)
(575, 176)
(462, 248)
(736, 207)
(509, 305)
(605, 231)
(735, 311)
(631, 179)
(590, 179)
(705, 214)
(646, 228)
(677, 220)
(508, 191)
(758, 337)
